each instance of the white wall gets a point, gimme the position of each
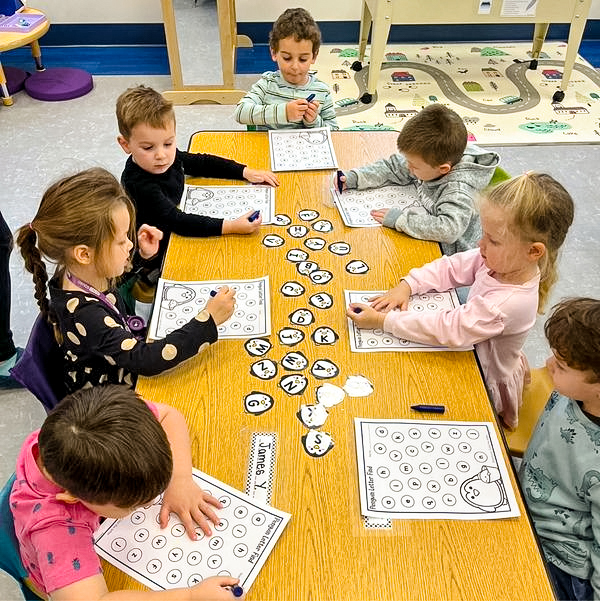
(149, 11)
(100, 11)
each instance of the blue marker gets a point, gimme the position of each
(237, 591)
(254, 216)
(340, 184)
(429, 408)
(213, 293)
(310, 98)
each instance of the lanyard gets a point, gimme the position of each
(133, 322)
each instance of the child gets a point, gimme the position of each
(154, 174)
(525, 221)
(83, 226)
(103, 452)
(559, 475)
(447, 173)
(279, 99)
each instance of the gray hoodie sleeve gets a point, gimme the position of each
(385, 172)
(453, 214)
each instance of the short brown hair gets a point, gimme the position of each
(573, 332)
(436, 134)
(296, 23)
(104, 445)
(143, 105)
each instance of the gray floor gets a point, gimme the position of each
(41, 142)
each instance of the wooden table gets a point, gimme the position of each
(325, 553)
(379, 15)
(10, 40)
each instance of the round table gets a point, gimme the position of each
(11, 39)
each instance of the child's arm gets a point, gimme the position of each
(242, 225)
(454, 211)
(260, 176)
(183, 496)
(149, 238)
(385, 172)
(94, 588)
(257, 107)
(105, 336)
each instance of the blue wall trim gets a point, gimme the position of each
(346, 32)
(103, 34)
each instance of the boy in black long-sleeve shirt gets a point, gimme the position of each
(154, 175)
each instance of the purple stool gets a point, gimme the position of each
(59, 84)
(15, 80)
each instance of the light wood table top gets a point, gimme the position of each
(326, 553)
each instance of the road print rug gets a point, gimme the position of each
(500, 99)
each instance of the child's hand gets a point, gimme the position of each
(216, 588)
(365, 316)
(241, 225)
(148, 239)
(258, 176)
(296, 109)
(395, 298)
(221, 305)
(311, 112)
(191, 504)
(379, 214)
(339, 179)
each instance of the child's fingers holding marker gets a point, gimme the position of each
(217, 588)
(221, 305)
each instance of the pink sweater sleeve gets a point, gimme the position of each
(466, 325)
(445, 273)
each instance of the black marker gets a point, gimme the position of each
(237, 591)
(429, 408)
(340, 184)
(310, 98)
(254, 216)
(213, 293)
(357, 310)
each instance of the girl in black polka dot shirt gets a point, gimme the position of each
(84, 225)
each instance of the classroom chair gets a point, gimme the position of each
(499, 176)
(535, 397)
(10, 560)
(41, 366)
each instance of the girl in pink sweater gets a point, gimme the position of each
(524, 222)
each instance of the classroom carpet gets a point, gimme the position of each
(500, 99)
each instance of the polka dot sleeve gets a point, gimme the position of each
(90, 329)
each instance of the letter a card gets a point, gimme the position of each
(166, 558)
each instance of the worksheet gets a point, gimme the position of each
(301, 149)
(413, 469)
(176, 303)
(355, 206)
(229, 202)
(366, 341)
(167, 558)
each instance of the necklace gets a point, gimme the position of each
(133, 322)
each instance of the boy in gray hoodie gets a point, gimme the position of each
(447, 173)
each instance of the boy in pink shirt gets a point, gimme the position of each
(102, 453)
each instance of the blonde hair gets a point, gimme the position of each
(74, 210)
(538, 209)
(143, 105)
